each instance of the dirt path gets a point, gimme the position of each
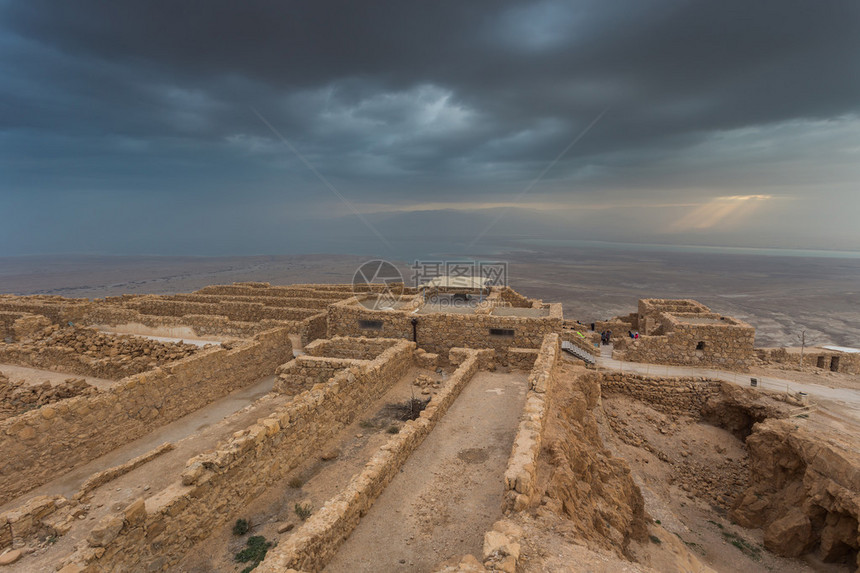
(449, 492)
(161, 333)
(35, 376)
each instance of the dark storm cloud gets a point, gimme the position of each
(388, 97)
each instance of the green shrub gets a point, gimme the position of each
(241, 527)
(303, 510)
(254, 552)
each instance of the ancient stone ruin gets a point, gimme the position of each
(268, 425)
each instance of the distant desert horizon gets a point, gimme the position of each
(780, 295)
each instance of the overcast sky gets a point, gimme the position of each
(222, 128)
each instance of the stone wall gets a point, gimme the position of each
(439, 332)
(57, 309)
(649, 317)
(315, 543)
(676, 396)
(522, 358)
(521, 472)
(313, 327)
(317, 304)
(359, 348)
(26, 520)
(324, 358)
(303, 372)
(157, 532)
(726, 344)
(175, 326)
(43, 444)
(514, 298)
(820, 358)
(17, 326)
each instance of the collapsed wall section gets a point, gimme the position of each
(16, 326)
(42, 444)
(87, 352)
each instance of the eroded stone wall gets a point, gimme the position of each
(157, 533)
(521, 472)
(42, 444)
(313, 546)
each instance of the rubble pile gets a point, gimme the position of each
(17, 397)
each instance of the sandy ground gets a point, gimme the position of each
(35, 376)
(195, 341)
(450, 490)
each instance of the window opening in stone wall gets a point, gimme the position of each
(501, 332)
(700, 345)
(370, 324)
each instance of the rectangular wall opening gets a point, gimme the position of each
(370, 324)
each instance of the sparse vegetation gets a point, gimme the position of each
(303, 510)
(295, 482)
(367, 424)
(254, 552)
(393, 429)
(745, 547)
(241, 527)
(695, 547)
(655, 539)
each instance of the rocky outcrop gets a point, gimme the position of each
(583, 481)
(804, 492)
(737, 409)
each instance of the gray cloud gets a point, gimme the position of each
(141, 103)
